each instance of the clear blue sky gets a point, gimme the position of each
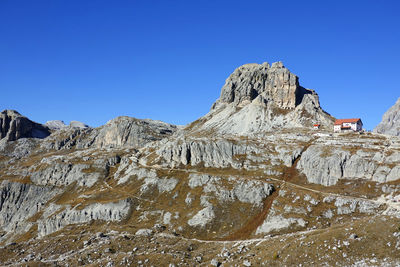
(94, 60)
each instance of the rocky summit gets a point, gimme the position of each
(14, 126)
(390, 123)
(251, 183)
(258, 98)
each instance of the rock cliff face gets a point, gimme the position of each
(275, 83)
(390, 123)
(14, 126)
(258, 98)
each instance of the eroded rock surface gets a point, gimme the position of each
(257, 98)
(14, 126)
(127, 131)
(390, 123)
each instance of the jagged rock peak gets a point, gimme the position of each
(14, 126)
(273, 82)
(390, 123)
(260, 98)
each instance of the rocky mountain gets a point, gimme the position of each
(14, 126)
(269, 191)
(390, 123)
(258, 98)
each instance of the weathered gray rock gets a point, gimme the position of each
(68, 138)
(60, 174)
(390, 123)
(245, 191)
(162, 184)
(351, 205)
(56, 124)
(258, 98)
(20, 201)
(277, 222)
(222, 153)
(130, 132)
(324, 165)
(14, 126)
(19, 148)
(144, 232)
(250, 80)
(119, 132)
(114, 211)
(213, 154)
(203, 217)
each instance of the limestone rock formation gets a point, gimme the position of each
(390, 123)
(132, 132)
(258, 98)
(14, 126)
(20, 201)
(275, 83)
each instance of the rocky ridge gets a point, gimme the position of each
(390, 123)
(58, 124)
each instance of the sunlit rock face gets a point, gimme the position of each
(259, 98)
(275, 83)
(390, 123)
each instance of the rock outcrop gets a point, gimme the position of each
(258, 98)
(275, 83)
(131, 132)
(14, 126)
(390, 123)
(20, 201)
(112, 211)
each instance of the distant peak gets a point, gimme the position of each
(11, 112)
(277, 65)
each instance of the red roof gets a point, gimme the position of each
(341, 121)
